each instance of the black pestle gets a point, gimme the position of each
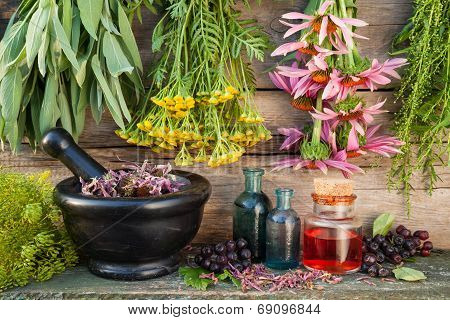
(59, 144)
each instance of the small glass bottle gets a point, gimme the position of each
(332, 239)
(283, 233)
(251, 209)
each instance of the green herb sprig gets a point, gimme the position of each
(33, 241)
(425, 92)
(59, 56)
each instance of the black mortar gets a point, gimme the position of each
(125, 238)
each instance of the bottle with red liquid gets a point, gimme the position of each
(332, 238)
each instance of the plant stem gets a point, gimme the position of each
(317, 123)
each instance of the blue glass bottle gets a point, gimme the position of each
(283, 233)
(250, 212)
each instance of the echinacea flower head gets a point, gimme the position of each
(381, 144)
(325, 25)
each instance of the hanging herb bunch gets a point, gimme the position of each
(202, 99)
(59, 56)
(323, 80)
(424, 118)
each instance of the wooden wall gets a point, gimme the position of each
(386, 17)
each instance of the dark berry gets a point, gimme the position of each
(198, 259)
(364, 248)
(245, 254)
(222, 260)
(231, 245)
(424, 253)
(241, 244)
(369, 259)
(412, 252)
(373, 247)
(400, 229)
(380, 257)
(214, 267)
(396, 258)
(389, 250)
(384, 244)
(207, 251)
(220, 249)
(383, 272)
(427, 245)
(389, 235)
(422, 235)
(232, 256)
(367, 239)
(372, 271)
(364, 268)
(416, 241)
(409, 244)
(405, 254)
(246, 263)
(206, 263)
(379, 238)
(397, 249)
(399, 240)
(238, 266)
(405, 233)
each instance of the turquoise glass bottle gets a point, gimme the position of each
(250, 212)
(283, 233)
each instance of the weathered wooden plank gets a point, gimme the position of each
(381, 30)
(428, 212)
(78, 283)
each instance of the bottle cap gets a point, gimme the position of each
(333, 187)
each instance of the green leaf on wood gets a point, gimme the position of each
(36, 27)
(116, 60)
(192, 277)
(90, 13)
(227, 275)
(408, 274)
(128, 38)
(383, 224)
(11, 94)
(112, 103)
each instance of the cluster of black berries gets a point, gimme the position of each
(393, 248)
(219, 257)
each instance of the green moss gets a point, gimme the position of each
(33, 242)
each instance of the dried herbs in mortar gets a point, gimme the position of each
(33, 242)
(59, 56)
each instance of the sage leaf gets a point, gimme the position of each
(112, 103)
(116, 60)
(42, 54)
(96, 100)
(36, 27)
(123, 105)
(90, 14)
(67, 17)
(383, 224)
(48, 110)
(11, 94)
(128, 38)
(36, 104)
(408, 274)
(64, 42)
(76, 28)
(66, 114)
(15, 45)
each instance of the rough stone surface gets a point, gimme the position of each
(78, 283)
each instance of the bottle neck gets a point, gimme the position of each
(253, 182)
(284, 197)
(334, 211)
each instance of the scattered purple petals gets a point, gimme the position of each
(135, 181)
(258, 277)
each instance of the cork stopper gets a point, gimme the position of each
(333, 187)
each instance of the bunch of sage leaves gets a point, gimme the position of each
(58, 57)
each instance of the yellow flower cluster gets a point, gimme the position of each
(251, 119)
(178, 105)
(230, 157)
(217, 97)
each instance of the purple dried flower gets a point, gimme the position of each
(137, 181)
